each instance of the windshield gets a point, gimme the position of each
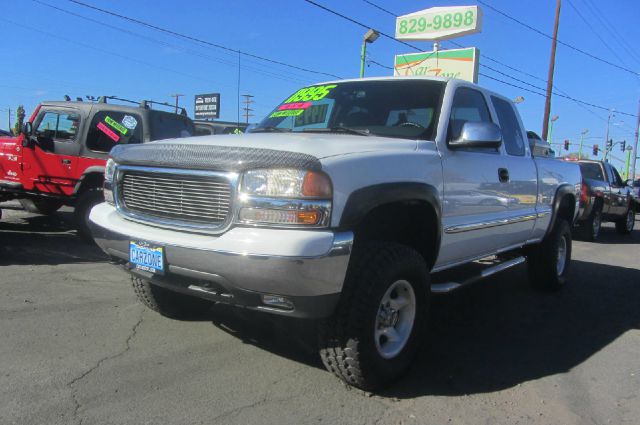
(405, 109)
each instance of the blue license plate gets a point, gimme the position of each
(146, 257)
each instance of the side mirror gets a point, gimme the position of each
(27, 130)
(478, 135)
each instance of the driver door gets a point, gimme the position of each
(50, 163)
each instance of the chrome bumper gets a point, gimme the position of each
(310, 275)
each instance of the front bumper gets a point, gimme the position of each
(239, 266)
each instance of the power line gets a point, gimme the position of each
(380, 8)
(577, 49)
(198, 40)
(275, 75)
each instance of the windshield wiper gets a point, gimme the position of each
(338, 129)
(270, 129)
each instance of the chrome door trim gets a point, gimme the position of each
(493, 223)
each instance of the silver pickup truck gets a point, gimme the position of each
(349, 203)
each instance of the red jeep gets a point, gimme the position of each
(60, 156)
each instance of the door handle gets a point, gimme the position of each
(503, 175)
(66, 161)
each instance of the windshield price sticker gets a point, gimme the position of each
(110, 133)
(297, 105)
(130, 122)
(116, 125)
(289, 113)
(311, 93)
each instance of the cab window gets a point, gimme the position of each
(170, 126)
(110, 128)
(511, 132)
(468, 106)
(62, 126)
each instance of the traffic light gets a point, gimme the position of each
(609, 144)
(566, 145)
(595, 150)
(623, 145)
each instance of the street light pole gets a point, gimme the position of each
(553, 119)
(635, 146)
(582, 133)
(369, 37)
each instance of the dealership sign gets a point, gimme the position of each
(457, 63)
(207, 106)
(439, 23)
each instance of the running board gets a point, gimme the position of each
(441, 288)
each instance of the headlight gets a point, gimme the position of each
(109, 172)
(287, 183)
(285, 197)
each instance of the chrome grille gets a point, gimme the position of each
(177, 198)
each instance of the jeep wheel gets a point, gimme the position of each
(625, 225)
(86, 201)
(169, 303)
(375, 332)
(41, 206)
(549, 261)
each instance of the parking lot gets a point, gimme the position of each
(78, 348)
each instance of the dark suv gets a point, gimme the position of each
(60, 156)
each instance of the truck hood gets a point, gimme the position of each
(317, 145)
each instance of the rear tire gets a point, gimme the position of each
(590, 229)
(86, 201)
(625, 225)
(41, 206)
(169, 303)
(376, 330)
(549, 261)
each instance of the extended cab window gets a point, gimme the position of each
(110, 128)
(617, 180)
(511, 132)
(468, 106)
(58, 126)
(170, 126)
(591, 170)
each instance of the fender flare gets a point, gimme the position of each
(364, 200)
(562, 191)
(96, 169)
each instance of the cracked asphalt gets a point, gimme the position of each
(77, 348)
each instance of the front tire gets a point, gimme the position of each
(168, 303)
(549, 261)
(625, 225)
(376, 330)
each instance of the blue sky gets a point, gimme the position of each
(49, 53)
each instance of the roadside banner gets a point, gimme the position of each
(456, 63)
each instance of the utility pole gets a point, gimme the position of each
(247, 109)
(552, 64)
(9, 119)
(582, 133)
(177, 96)
(634, 155)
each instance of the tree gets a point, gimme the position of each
(17, 128)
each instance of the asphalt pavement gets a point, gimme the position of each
(77, 348)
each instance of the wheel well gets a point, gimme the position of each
(411, 223)
(566, 208)
(90, 181)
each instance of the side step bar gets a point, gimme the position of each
(441, 288)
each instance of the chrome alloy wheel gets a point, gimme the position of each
(631, 219)
(395, 319)
(562, 256)
(597, 223)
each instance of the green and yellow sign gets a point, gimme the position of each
(456, 63)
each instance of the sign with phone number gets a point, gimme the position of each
(439, 23)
